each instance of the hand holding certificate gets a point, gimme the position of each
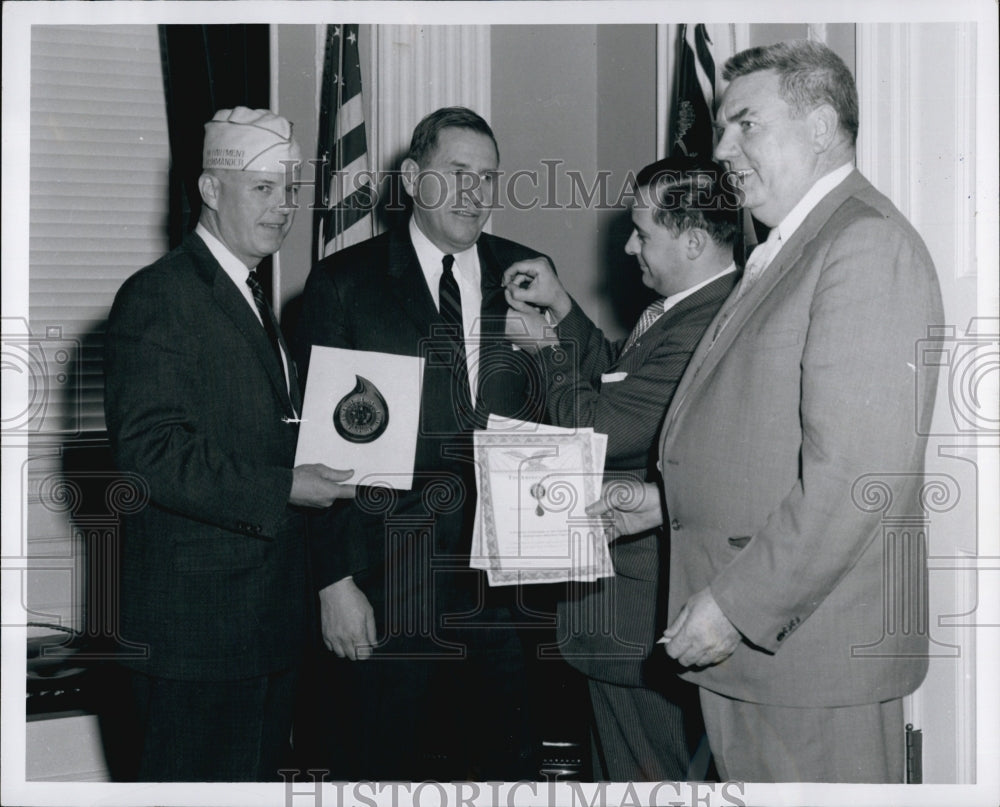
(534, 485)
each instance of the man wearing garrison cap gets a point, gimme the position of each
(202, 400)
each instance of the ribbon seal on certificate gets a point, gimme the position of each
(363, 414)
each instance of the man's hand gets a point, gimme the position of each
(348, 620)
(319, 486)
(701, 635)
(532, 284)
(632, 506)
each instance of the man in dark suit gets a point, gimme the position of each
(201, 401)
(682, 237)
(428, 653)
(791, 601)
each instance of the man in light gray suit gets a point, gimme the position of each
(646, 720)
(785, 607)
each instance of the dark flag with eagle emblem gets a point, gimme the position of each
(694, 113)
(694, 107)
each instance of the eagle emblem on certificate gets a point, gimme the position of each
(362, 415)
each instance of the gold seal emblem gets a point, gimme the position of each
(362, 415)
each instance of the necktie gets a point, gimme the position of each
(450, 307)
(267, 317)
(758, 260)
(756, 264)
(646, 320)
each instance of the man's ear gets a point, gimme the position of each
(208, 187)
(697, 240)
(825, 126)
(409, 172)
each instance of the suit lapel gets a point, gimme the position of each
(493, 311)
(709, 354)
(492, 325)
(408, 285)
(235, 306)
(634, 357)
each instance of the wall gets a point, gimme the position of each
(581, 95)
(544, 82)
(918, 145)
(839, 36)
(626, 141)
(295, 98)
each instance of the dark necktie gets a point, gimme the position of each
(267, 317)
(450, 306)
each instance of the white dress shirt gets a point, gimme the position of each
(468, 276)
(790, 223)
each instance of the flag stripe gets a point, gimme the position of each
(354, 207)
(355, 234)
(705, 64)
(351, 115)
(353, 144)
(348, 179)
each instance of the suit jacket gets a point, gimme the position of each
(374, 297)
(608, 628)
(782, 443)
(213, 568)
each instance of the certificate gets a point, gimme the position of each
(361, 410)
(534, 486)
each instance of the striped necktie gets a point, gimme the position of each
(649, 316)
(450, 307)
(266, 316)
(756, 264)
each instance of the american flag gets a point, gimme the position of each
(347, 194)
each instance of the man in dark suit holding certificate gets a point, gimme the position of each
(425, 674)
(201, 403)
(683, 232)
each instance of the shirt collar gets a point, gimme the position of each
(673, 299)
(813, 197)
(430, 256)
(232, 265)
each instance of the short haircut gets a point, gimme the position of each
(688, 193)
(425, 136)
(809, 74)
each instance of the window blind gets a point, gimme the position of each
(98, 201)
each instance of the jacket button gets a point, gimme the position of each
(675, 525)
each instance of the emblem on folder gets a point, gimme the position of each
(362, 415)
